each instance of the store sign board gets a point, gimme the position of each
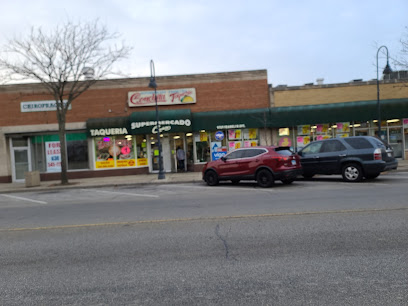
(40, 106)
(164, 97)
(53, 156)
(166, 126)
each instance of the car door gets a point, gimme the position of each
(309, 157)
(330, 156)
(250, 160)
(229, 166)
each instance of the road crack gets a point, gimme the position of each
(225, 242)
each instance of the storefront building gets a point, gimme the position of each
(112, 130)
(303, 114)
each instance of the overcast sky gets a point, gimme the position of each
(296, 41)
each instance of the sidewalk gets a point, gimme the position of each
(130, 180)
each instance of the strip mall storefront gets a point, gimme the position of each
(132, 142)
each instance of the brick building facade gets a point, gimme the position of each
(27, 134)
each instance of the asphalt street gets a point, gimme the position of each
(316, 242)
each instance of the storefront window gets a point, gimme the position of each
(46, 156)
(213, 145)
(120, 151)
(202, 143)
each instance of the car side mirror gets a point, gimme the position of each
(300, 153)
(223, 158)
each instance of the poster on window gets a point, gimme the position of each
(302, 141)
(53, 155)
(322, 137)
(303, 129)
(405, 122)
(250, 143)
(322, 128)
(111, 152)
(232, 145)
(343, 127)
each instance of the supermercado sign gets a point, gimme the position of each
(176, 125)
(40, 106)
(164, 97)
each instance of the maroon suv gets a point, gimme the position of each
(263, 164)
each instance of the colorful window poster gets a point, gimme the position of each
(250, 143)
(234, 134)
(53, 155)
(322, 128)
(232, 145)
(252, 133)
(142, 162)
(303, 129)
(285, 142)
(322, 137)
(302, 141)
(405, 122)
(203, 136)
(343, 127)
(111, 152)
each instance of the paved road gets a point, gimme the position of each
(319, 242)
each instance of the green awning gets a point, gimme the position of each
(108, 126)
(171, 121)
(234, 119)
(338, 112)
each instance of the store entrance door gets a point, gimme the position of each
(20, 157)
(395, 140)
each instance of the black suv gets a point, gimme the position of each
(352, 157)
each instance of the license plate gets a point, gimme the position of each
(293, 162)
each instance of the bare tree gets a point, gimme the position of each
(68, 60)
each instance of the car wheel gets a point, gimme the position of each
(235, 182)
(372, 176)
(288, 181)
(211, 178)
(265, 178)
(352, 173)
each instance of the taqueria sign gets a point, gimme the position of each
(164, 97)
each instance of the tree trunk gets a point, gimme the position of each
(64, 163)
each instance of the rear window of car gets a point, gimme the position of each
(253, 152)
(359, 143)
(283, 151)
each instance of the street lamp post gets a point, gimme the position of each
(387, 70)
(152, 84)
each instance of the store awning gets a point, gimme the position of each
(108, 126)
(171, 121)
(338, 112)
(234, 119)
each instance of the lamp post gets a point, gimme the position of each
(387, 70)
(152, 84)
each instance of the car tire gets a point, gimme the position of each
(211, 178)
(372, 176)
(288, 181)
(265, 178)
(352, 172)
(235, 182)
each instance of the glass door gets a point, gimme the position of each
(395, 140)
(20, 155)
